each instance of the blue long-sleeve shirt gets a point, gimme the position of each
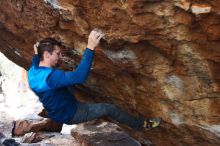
(51, 85)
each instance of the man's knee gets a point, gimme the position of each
(112, 108)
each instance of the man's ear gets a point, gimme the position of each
(46, 55)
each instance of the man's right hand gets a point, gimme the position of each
(94, 38)
(35, 48)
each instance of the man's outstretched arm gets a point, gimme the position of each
(59, 78)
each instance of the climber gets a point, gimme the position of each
(51, 86)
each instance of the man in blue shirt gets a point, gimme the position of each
(51, 86)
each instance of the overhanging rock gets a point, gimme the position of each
(98, 133)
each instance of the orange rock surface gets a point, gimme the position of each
(157, 59)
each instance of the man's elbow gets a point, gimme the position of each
(82, 77)
(82, 80)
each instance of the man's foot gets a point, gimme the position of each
(152, 123)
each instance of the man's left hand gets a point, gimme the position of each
(35, 48)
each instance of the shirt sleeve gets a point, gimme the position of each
(59, 78)
(35, 60)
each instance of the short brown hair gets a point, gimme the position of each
(48, 45)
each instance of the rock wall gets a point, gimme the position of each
(159, 57)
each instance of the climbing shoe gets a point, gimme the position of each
(152, 122)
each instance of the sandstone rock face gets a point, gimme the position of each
(48, 139)
(159, 58)
(102, 134)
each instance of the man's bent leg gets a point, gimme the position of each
(87, 112)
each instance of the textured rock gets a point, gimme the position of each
(184, 4)
(6, 124)
(21, 127)
(200, 9)
(48, 139)
(158, 57)
(32, 137)
(171, 135)
(102, 133)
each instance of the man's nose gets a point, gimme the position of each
(60, 56)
